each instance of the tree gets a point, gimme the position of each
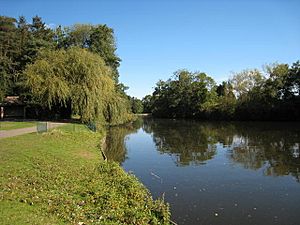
(98, 39)
(136, 105)
(225, 89)
(40, 31)
(8, 53)
(226, 101)
(293, 82)
(79, 35)
(102, 42)
(147, 104)
(187, 95)
(275, 85)
(60, 38)
(78, 79)
(245, 81)
(19, 44)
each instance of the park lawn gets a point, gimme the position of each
(60, 178)
(11, 125)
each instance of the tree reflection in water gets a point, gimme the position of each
(115, 148)
(272, 147)
(190, 142)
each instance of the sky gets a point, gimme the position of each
(157, 37)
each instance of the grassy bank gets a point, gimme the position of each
(60, 178)
(8, 125)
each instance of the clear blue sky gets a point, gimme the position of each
(157, 37)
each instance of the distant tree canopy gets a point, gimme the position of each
(248, 95)
(187, 95)
(136, 105)
(71, 69)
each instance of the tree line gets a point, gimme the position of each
(74, 70)
(271, 94)
(64, 70)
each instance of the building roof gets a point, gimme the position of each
(12, 100)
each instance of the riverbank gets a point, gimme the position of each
(60, 177)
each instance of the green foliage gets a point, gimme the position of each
(136, 105)
(226, 102)
(59, 176)
(102, 42)
(187, 95)
(148, 103)
(244, 81)
(98, 39)
(248, 95)
(23, 44)
(8, 52)
(78, 35)
(275, 98)
(80, 79)
(19, 44)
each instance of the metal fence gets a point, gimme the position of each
(42, 127)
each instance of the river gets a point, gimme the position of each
(213, 173)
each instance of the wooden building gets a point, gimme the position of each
(12, 107)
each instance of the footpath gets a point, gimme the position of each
(27, 130)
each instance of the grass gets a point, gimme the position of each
(60, 178)
(13, 212)
(8, 125)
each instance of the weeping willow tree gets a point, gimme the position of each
(81, 79)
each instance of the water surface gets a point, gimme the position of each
(215, 173)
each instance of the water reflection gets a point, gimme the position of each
(187, 141)
(242, 172)
(273, 147)
(115, 140)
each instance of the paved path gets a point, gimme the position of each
(27, 130)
